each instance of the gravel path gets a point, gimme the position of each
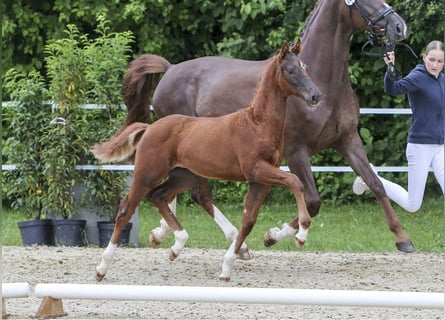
(201, 267)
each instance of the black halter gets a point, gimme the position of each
(377, 36)
(372, 23)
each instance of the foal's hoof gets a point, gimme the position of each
(406, 246)
(268, 240)
(224, 279)
(299, 243)
(244, 254)
(99, 277)
(172, 255)
(154, 242)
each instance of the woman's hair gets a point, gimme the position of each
(434, 45)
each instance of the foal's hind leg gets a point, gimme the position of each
(180, 180)
(181, 235)
(127, 208)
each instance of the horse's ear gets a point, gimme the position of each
(284, 50)
(296, 48)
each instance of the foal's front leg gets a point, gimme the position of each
(254, 199)
(273, 175)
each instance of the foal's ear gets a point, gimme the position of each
(296, 48)
(284, 50)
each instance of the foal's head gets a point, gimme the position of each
(293, 76)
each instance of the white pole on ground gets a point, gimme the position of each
(243, 295)
(16, 290)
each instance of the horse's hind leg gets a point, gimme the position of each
(254, 199)
(202, 195)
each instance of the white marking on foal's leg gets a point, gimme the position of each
(301, 235)
(172, 206)
(107, 255)
(279, 234)
(180, 239)
(229, 259)
(160, 233)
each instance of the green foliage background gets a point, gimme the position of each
(181, 30)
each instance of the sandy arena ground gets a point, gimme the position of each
(201, 267)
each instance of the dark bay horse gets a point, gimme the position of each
(243, 146)
(214, 86)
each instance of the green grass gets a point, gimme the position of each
(357, 227)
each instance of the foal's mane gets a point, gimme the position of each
(271, 64)
(271, 60)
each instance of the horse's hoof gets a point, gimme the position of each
(299, 243)
(99, 277)
(406, 246)
(153, 241)
(171, 255)
(268, 240)
(224, 279)
(244, 254)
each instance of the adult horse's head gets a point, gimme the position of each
(377, 17)
(294, 75)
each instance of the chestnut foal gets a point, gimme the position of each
(243, 146)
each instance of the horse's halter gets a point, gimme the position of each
(377, 36)
(372, 23)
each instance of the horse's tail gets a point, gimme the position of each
(122, 145)
(139, 83)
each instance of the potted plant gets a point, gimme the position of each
(83, 70)
(108, 56)
(26, 185)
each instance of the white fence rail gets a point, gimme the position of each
(368, 111)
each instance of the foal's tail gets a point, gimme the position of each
(122, 145)
(140, 81)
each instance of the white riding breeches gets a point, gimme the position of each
(420, 158)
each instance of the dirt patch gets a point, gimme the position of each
(201, 267)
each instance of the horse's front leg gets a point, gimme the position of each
(355, 154)
(254, 199)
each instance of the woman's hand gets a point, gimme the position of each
(389, 58)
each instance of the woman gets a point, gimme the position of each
(424, 86)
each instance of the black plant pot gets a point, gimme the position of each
(70, 232)
(106, 230)
(36, 232)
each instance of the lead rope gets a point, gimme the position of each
(387, 47)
